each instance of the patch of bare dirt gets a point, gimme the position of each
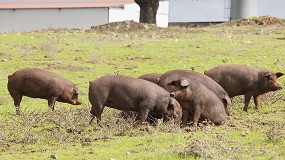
(69, 67)
(261, 20)
(123, 26)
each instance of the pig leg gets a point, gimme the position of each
(256, 101)
(185, 115)
(98, 117)
(97, 111)
(246, 101)
(17, 101)
(51, 102)
(197, 113)
(144, 113)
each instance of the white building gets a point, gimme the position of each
(193, 11)
(33, 15)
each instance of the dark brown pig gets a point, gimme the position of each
(245, 80)
(196, 78)
(152, 77)
(199, 101)
(131, 94)
(37, 83)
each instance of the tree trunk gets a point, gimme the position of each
(148, 10)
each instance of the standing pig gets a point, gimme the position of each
(131, 94)
(245, 80)
(152, 77)
(200, 101)
(37, 83)
(196, 78)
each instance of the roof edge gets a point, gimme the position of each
(47, 5)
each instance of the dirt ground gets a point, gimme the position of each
(132, 26)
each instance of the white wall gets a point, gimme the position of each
(20, 20)
(132, 12)
(199, 10)
(218, 10)
(274, 8)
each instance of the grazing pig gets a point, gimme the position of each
(152, 77)
(37, 83)
(245, 80)
(197, 99)
(196, 78)
(131, 94)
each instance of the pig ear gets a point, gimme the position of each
(179, 83)
(184, 83)
(227, 100)
(279, 74)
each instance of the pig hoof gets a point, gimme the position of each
(190, 129)
(187, 129)
(18, 112)
(144, 123)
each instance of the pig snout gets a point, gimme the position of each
(75, 97)
(78, 102)
(175, 115)
(74, 101)
(277, 87)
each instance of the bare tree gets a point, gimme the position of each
(148, 10)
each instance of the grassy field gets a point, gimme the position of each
(83, 56)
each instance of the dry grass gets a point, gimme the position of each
(65, 125)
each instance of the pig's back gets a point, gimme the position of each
(195, 77)
(28, 74)
(152, 77)
(125, 92)
(235, 79)
(36, 83)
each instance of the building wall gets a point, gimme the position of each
(219, 10)
(24, 20)
(274, 8)
(199, 10)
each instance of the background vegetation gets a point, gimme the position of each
(83, 56)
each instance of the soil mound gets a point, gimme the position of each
(262, 20)
(122, 27)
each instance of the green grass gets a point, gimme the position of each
(84, 56)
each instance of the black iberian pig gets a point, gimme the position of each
(152, 77)
(197, 78)
(245, 80)
(131, 94)
(37, 83)
(199, 101)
